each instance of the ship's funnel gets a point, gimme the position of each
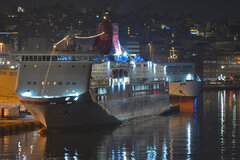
(104, 42)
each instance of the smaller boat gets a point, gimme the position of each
(183, 81)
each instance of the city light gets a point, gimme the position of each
(1, 47)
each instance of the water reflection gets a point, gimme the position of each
(206, 128)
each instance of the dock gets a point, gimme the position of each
(17, 125)
(222, 86)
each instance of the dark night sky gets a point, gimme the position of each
(201, 8)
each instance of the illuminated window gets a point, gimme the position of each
(35, 66)
(73, 91)
(43, 83)
(54, 83)
(48, 83)
(67, 91)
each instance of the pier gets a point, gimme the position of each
(17, 125)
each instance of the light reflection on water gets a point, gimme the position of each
(208, 127)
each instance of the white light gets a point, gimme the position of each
(124, 85)
(76, 98)
(188, 140)
(26, 94)
(74, 94)
(118, 53)
(125, 54)
(154, 68)
(189, 77)
(67, 99)
(8, 62)
(165, 70)
(108, 64)
(12, 67)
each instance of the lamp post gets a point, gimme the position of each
(150, 50)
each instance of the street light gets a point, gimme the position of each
(150, 50)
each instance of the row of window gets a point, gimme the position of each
(144, 87)
(140, 87)
(139, 65)
(59, 66)
(51, 83)
(58, 58)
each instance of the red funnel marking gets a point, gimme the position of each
(104, 42)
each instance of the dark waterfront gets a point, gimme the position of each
(207, 128)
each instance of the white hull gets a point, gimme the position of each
(187, 89)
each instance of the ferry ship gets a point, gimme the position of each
(68, 89)
(182, 79)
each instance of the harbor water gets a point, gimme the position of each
(207, 127)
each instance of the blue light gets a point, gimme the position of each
(125, 54)
(124, 85)
(168, 28)
(112, 87)
(118, 86)
(4, 32)
(195, 110)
